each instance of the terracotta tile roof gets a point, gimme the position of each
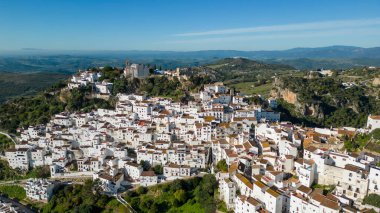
(148, 174)
(259, 184)
(272, 192)
(244, 180)
(253, 201)
(330, 204)
(375, 117)
(305, 189)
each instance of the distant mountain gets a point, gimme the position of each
(248, 65)
(318, 52)
(339, 63)
(302, 58)
(321, 53)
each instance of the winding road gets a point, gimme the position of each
(125, 203)
(8, 136)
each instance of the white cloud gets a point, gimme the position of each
(363, 31)
(325, 25)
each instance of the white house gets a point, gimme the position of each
(109, 181)
(227, 191)
(175, 170)
(133, 170)
(374, 180)
(244, 204)
(373, 122)
(148, 178)
(18, 158)
(40, 189)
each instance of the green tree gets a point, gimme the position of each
(376, 134)
(141, 190)
(158, 169)
(180, 196)
(145, 203)
(145, 165)
(372, 199)
(222, 166)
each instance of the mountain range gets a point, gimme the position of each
(333, 57)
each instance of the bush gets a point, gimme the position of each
(158, 170)
(13, 191)
(222, 166)
(81, 198)
(5, 143)
(376, 134)
(190, 195)
(372, 199)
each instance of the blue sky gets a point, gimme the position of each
(187, 24)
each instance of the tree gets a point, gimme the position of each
(222, 166)
(180, 196)
(372, 199)
(86, 208)
(376, 134)
(145, 165)
(141, 190)
(205, 193)
(145, 203)
(158, 170)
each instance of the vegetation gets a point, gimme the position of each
(332, 103)
(7, 173)
(158, 170)
(222, 207)
(372, 199)
(356, 143)
(326, 188)
(369, 141)
(13, 85)
(222, 166)
(5, 142)
(250, 88)
(82, 198)
(23, 112)
(191, 195)
(145, 165)
(162, 86)
(376, 134)
(236, 70)
(13, 191)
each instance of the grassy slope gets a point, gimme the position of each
(248, 88)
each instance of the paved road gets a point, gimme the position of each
(125, 203)
(13, 182)
(8, 136)
(21, 207)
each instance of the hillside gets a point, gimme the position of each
(245, 64)
(234, 70)
(327, 101)
(37, 109)
(14, 85)
(52, 63)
